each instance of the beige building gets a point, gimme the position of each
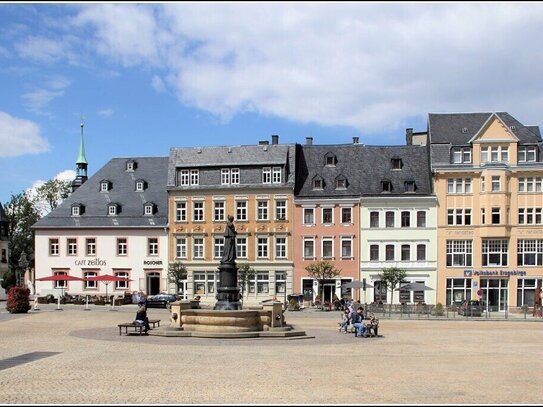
(488, 176)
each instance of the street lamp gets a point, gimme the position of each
(23, 264)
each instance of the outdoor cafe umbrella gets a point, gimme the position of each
(357, 284)
(414, 287)
(106, 279)
(60, 277)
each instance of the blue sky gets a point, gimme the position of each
(150, 76)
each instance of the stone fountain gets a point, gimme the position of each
(227, 319)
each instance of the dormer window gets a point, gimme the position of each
(396, 163)
(130, 165)
(410, 186)
(149, 208)
(527, 154)
(77, 209)
(140, 185)
(113, 209)
(105, 185)
(461, 155)
(386, 186)
(330, 159)
(318, 182)
(341, 182)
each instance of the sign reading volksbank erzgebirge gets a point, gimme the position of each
(506, 273)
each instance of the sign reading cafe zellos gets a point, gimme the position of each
(505, 273)
(90, 262)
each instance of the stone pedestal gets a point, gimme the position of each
(228, 290)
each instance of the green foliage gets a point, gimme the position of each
(51, 194)
(245, 274)
(320, 271)
(439, 310)
(392, 276)
(18, 300)
(177, 272)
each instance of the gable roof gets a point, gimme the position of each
(153, 169)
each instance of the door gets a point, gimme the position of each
(183, 290)
(153, 283)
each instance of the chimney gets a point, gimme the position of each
(355, 140)
(309, 141)
(409, 136)
(263, 142)
(275, 139)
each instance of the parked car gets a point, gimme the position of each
(160, 300)
(471, 308)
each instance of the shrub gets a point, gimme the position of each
(439, 310)
(18, 300)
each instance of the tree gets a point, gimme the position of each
(391, 277)
(245, 274)
(320, 271)
(177, 272)
(21, 214)
(51, 194)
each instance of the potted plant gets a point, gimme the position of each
(18, 300)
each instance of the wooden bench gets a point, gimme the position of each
(137, 327)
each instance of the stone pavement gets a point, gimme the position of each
(454, 361)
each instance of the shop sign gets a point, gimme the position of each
(469, 273)
(90, 262)
(152, 262)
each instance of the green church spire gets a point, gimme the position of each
(81, 159)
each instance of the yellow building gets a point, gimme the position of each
(488, 173)
(255, 185)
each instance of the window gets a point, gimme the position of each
(396, 163)
(152, 246)
(327, 248)
(529, 216)
(194, 177)
(104, 186)
(140, 186)
(458, 185)
(218, 211)
(262, 210)
(494, 252)
(309, 216)
(234, 176)
(266, 175)
(406, 252)
(330, 159)
(241, 210)
(180, 211)
(327, 216)
(89, 285)
(122, 246)
(526, 288)
(461, 155)
(71, 244)
(241, 247)
(421, 219)
(280, 210)
(483, 184)
(389, 219)
(75, 210)
(198, 248)
(494, 154)
(276, 179)
(280, 247)
(61, 283)
(529, 184)
(346, 248)
(183, 177)
(496, 216)
(181, 247)
(130, 166)
(280, 282)
(341, 183)
(262, 247)
(318, 183)
(200, 283)
(121, 285)
(458, 290)
(527, 154)
(262, 282)
(309, 249)
(421, 252)
(90, 244)
(389, 252)
(225, 176)
(495, 183)
(459, 253)
(346, 215)
(386, 186)
(406, 219)
(218, 247)
(198, 211)
(112, 210)
(529, 252)
(53, 247)
(374, 219)
(409, 186)
(483, 216)
(461, 216)
(374, 252)
(148, 209)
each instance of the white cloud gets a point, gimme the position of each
(19, 137)
(38, 99)
(158, 84)
(105, 112)
(41, 49)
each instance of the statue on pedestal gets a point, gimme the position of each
(229, 254)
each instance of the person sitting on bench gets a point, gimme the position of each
(141, 314)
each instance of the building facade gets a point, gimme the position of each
(4, 252)
(254, 184)
(488, 178)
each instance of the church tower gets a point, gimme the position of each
(81, 163)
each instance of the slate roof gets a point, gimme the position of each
(153, 170)
(364, 167)
(230, 156)
(447, 127)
